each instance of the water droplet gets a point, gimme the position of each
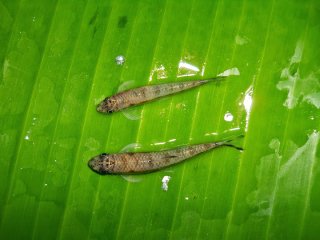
(165, 180)
(120, 60)
(228, 117)
(241, 40)
(27, 137)
(158, 72)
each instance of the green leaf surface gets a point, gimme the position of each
(57, 62)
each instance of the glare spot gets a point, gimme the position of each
(187, 69)
(211, 134)
(233, 129)
(159, 143)
(188, 66)
(247, 102)
(230, 72)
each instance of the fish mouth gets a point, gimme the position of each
(91, 164)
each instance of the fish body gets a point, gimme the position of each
(141, 162)
(144, 94)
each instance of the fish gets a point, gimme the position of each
(144, 162)
(144, 94)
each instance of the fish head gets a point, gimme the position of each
(101, 164)
(108, 105)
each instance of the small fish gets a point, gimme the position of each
(140, 95)
(142, 162)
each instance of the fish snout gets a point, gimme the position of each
(92, 163)
(106, 106)
(99, 163)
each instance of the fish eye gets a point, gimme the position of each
(103, 154)
(110, 111)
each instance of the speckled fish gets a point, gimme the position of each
(144, 94)
(143, 162)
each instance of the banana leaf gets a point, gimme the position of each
(59, 59)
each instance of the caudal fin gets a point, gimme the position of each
(233, 146)
(217, 79)
(228, 143)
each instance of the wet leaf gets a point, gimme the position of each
(59, 59)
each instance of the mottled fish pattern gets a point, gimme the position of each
(141, 162)
(144, 94)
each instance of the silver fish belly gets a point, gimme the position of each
(142, 162)
(144, 94)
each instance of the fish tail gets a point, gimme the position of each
(217, 79)
(233, 146)
(228, 143)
